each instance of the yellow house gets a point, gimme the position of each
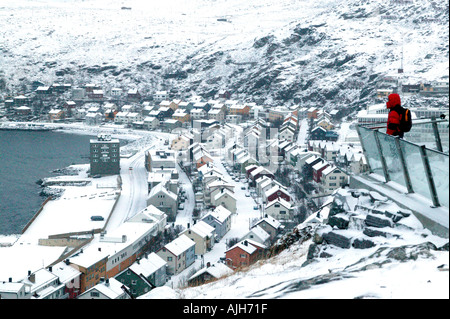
(181, 115)
(55, 114)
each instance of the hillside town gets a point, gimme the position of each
(223, 181)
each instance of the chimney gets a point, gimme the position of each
(32, 278)
(208, 264)
(245, 243)
(99, 248)
(50, 269)
(10, 279)
(107, 282)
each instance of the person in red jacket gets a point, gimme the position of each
(395, 111)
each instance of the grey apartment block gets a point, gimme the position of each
(105, 155)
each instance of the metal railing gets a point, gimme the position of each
(421, 169)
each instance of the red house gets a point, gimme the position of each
(277, 192)
(249, 169)
(244, 254)
(318, 169)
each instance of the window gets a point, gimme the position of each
(282, 212)
(243, 255)
(169, 258)
(95, 294)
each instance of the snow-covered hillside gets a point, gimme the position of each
(318, 52)
(399, 262)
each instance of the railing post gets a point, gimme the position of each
(429, 175)
(363, 147)
(404, 167)
(382, 159)
(437, 137)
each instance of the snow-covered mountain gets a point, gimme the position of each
(311, 52)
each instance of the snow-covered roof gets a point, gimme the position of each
(203, 229)
(112, 289)
(180, 245)
(148, 265)
(225, 191)
(271, 221)
(160, 188)
(220, 214)
(216, 270)
(245, 246)
(280, 201)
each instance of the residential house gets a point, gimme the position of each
(275, 192)
(233, 118)
(96, 94)
(224, 94)
(216, 114)
(93, 118)
(225, 198)
(170, 124)
(318, 169)
(13, 290)
(271, 225)
(198, 114)
(201, 157)
(116, 92)
(203, 235)
(243, 254)
(318, 133)
(208, 273)
(160, 96)
(110, 288)
(358, 163)
(257, 234)
(181, 116)
(121, 118)
(182, 142)
(56, 115)
(186, 106)
(287, 133)
(220, 219)
(333, 178)
(151, 123)
(259, 172)
(145, 274)
(164, 200)
(133, 95)
(239, 109)
(312, 112)
(279, 209)
(179, 254)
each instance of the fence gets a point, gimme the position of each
(419, 168)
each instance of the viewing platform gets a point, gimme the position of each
(413, 171)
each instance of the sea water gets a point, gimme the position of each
(25, 158)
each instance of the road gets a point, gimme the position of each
(134, 192)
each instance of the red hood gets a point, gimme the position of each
(393, 100)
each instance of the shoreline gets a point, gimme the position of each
(134, 139)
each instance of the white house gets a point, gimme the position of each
(164, 200)
(225, 198)
(257, 234)
(279, 209)
(332, 179)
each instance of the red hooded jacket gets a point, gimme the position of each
(394, 106)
